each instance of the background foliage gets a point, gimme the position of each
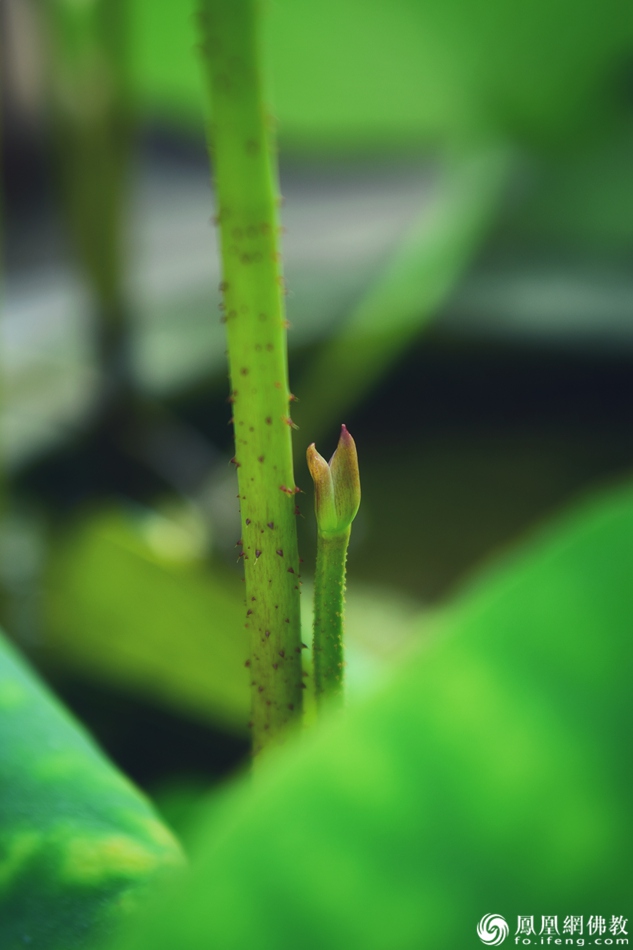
(460, 213)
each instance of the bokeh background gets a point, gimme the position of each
(458, 213)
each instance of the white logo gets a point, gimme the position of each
(492, 929)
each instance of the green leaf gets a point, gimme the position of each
(77, 840)
(363, 73)
(489, 774)
(584, 197)
(128, 605)
(409, 291)
(373, 75)
(166, 63)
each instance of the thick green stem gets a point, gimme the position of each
(329, 606)
(254, 314)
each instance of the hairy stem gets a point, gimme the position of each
(329, 606)
(253, 306)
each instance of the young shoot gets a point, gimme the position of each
(336, 502)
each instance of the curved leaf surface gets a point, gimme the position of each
(77, 840)
(489, 775)
(125, 610)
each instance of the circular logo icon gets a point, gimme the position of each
(492, 930)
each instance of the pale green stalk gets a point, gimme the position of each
(253, 304)
(329, 610)
(337, 498)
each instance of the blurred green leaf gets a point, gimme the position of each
(584, 197)
(77, 840)
(392, 74)
(409, 292)
(130, 602)
(371, 74)
(165, 67)
(489, 775)
(125, 604)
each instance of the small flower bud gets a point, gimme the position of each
(336, 486)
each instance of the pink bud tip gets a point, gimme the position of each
(337, 486)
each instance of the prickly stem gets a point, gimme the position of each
(253, 310)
